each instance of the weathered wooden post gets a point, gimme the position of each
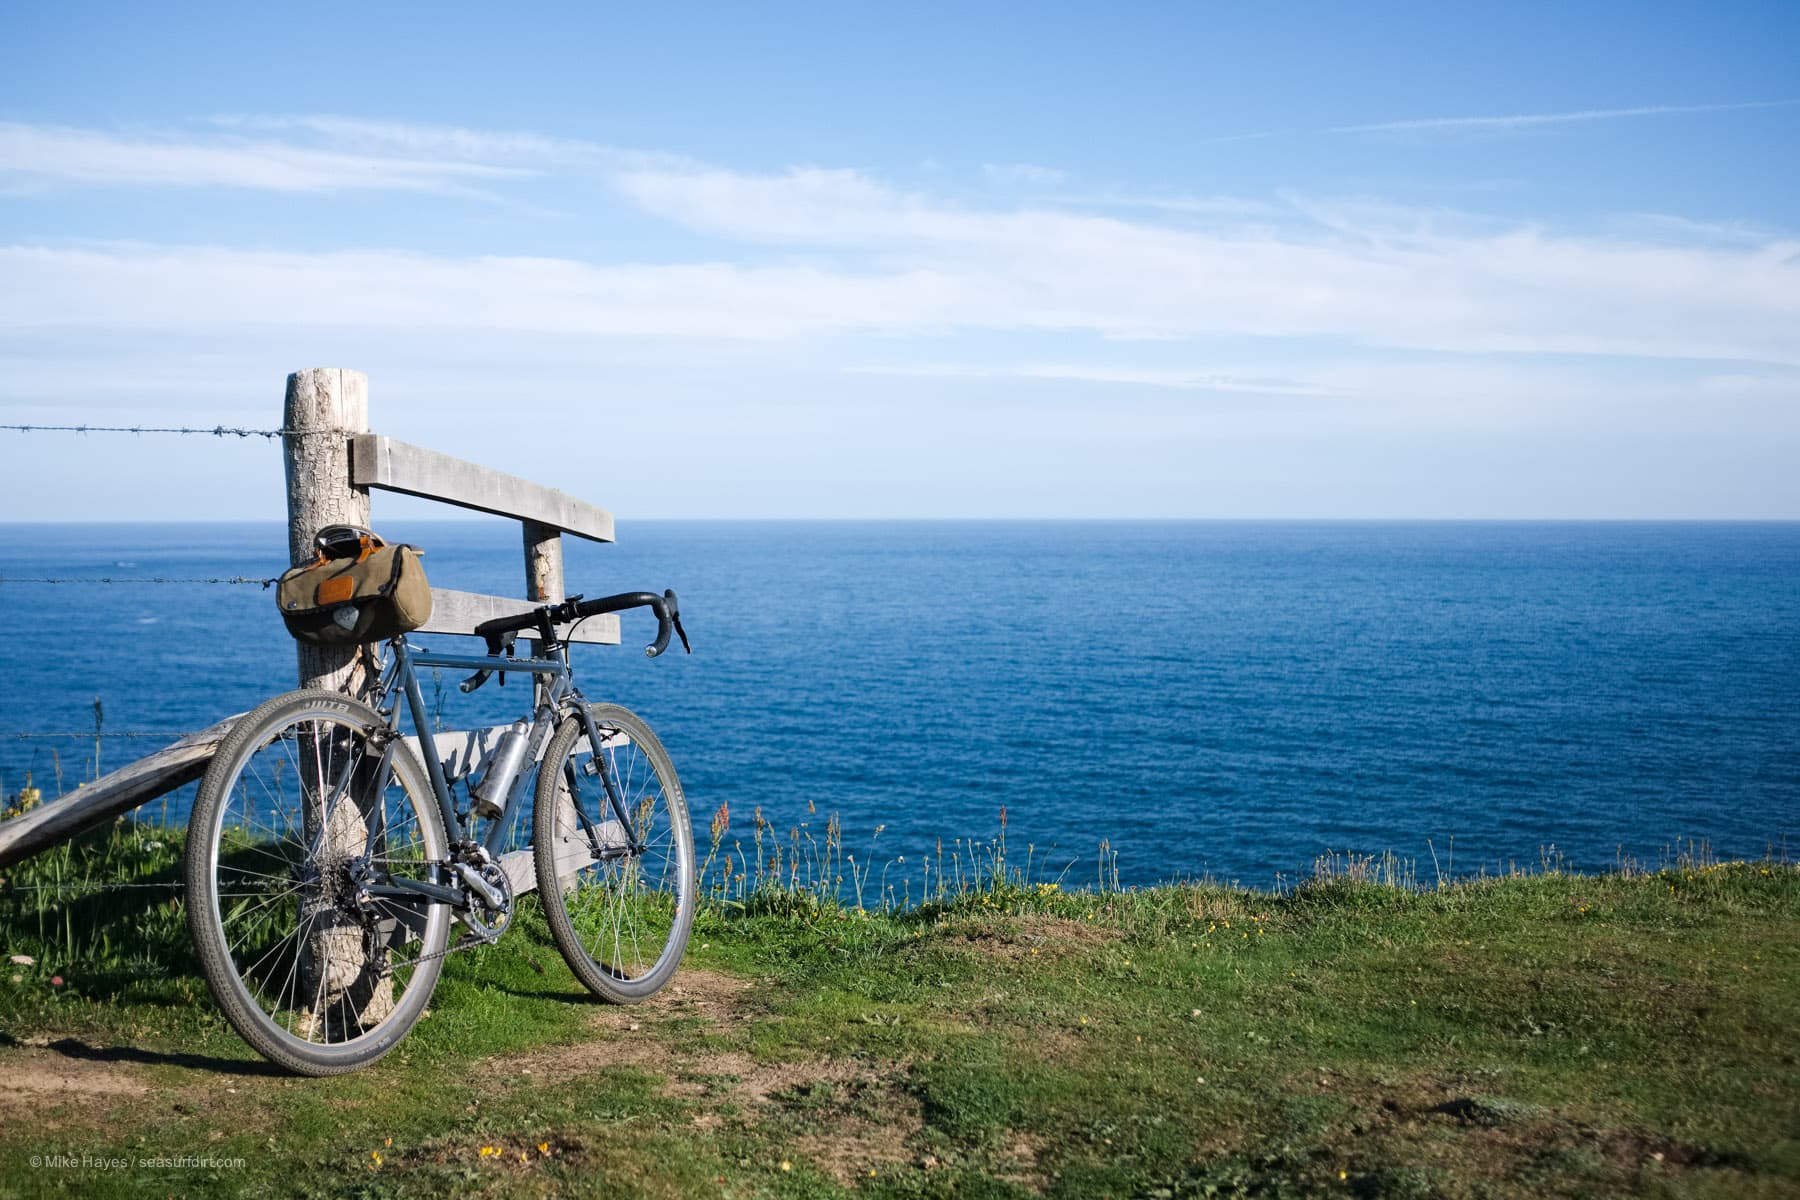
(325, 408)
(543, 562)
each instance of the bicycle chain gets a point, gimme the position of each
(467, 942)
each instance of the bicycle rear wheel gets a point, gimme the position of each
(614, 853)
(294, 823)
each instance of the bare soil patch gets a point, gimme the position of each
(1496, 1137)
(850, 1116)
(626, 1034)
(1032, 935)
(34, 1076)
(858, 1146)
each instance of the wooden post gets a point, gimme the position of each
(543, 563)
(325, 408)
(543, 576)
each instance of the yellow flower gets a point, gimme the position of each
(543, 1147)
(376, 1155)
(786, 1165)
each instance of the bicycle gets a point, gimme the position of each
(323, 877)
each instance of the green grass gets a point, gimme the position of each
(1542, 1034)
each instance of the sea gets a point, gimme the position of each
(1167, 700)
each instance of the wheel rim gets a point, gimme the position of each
(298, 828)
(626, 909)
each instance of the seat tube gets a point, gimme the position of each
(434, 766)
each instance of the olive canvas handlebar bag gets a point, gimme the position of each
(357, 590)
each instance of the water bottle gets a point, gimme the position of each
(489, 793)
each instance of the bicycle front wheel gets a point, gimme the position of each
(614, 854)
(297, 834)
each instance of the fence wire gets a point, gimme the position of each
(136, 733)
(264, 583)
(215, 431)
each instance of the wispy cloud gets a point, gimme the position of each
(59, 153)
(1152, 377)
(440, 143)
(1423, 281)
(1536, 120)
(815, 252)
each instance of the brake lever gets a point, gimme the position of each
(495, 646)
(680, 632)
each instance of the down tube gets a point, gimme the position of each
(434, 767)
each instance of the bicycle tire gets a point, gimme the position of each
(621, 922)
(271, 902)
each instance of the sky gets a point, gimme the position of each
(1186, 260)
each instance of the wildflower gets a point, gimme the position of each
(786, 1165)
(490, 1152)
(22, 960)
(1343, 1174)
(376, 1155)
(543, 1147)
(56, 981)
(1084, 1020)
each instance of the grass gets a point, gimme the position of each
(1536, 1034)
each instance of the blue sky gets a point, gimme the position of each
(1183, 260)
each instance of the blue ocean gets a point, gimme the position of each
(1224, 699)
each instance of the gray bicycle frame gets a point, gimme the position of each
(559, 687)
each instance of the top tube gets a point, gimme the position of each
(486, 662)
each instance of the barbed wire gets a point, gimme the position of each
(76, 891)
(215, 431)
(136, 733)
(264, 583)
